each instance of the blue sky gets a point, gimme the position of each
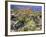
(34, 8)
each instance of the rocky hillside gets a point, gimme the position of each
(26, 20)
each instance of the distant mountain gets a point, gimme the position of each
(26, 7)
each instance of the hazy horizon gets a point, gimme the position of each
(22, 7)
